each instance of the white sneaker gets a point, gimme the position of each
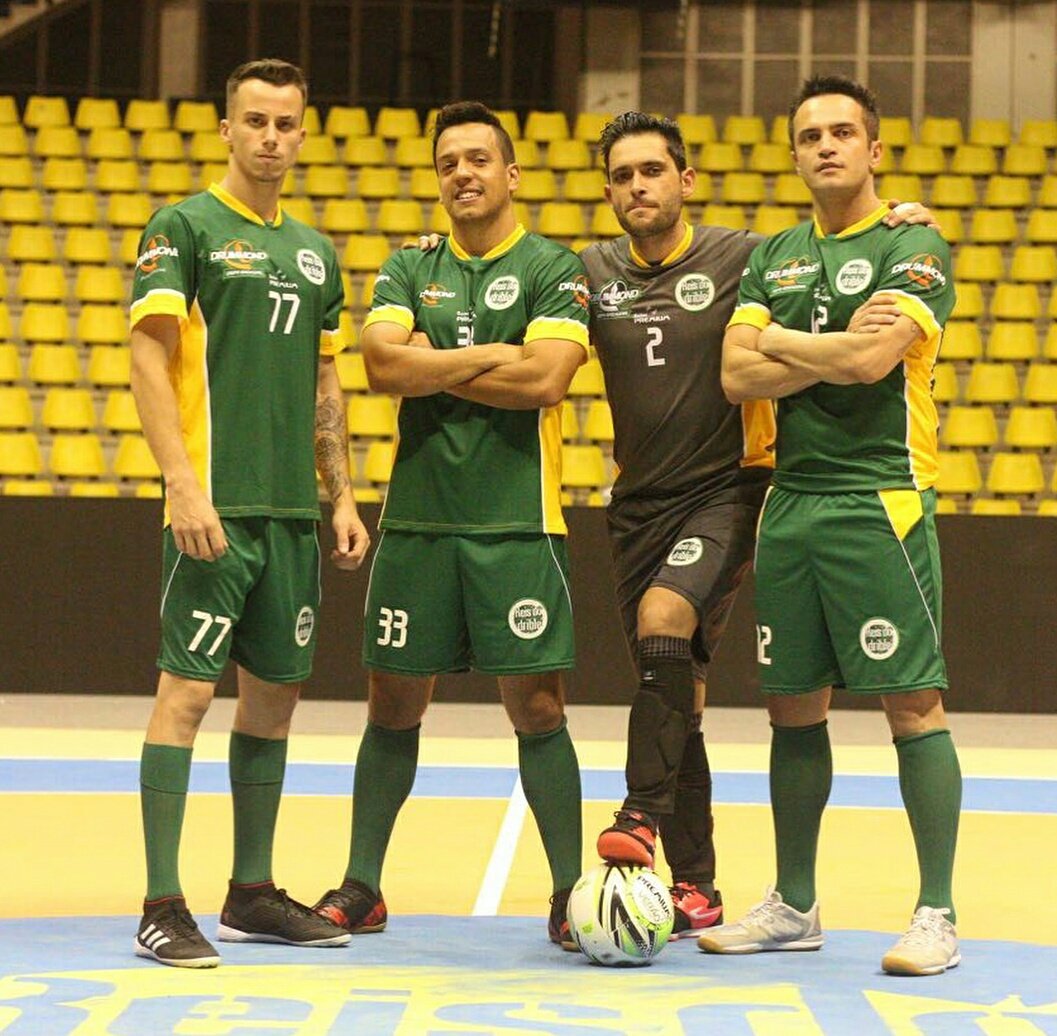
(770, 925)
(930, 945)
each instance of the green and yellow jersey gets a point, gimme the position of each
(847, 438)
(464, 467)
(256, 303)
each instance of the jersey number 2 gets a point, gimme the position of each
(654, 337)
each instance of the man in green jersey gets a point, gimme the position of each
(480, 338)
(848, 582)
(234, 320)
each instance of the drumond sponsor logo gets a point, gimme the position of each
(615, 296)
(924, 269)
(158, 247)
(432, 294)
(789, 272)
(239, 255)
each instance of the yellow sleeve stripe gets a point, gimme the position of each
(331, 342)
(165, 302)
(558, 327)
(391, 315)
(751, 313)
(915, 308)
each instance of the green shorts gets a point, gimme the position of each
(256, 604)
(848, 591)
(441, 603)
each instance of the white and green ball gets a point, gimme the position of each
(620, 916)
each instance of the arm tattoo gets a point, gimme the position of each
(332, 443)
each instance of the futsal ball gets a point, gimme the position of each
(620, 916)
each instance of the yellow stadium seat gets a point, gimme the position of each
(344, 216)
(343, 121)
(697, 129)
(584, 185)
(41, 282)
(68, 410)
(990, 132)
(773, 219)
(17, 172)
(570, 422)
(1016, 473)
(943, 132)
(1012, 340)
(169, 178)
(895, 131)
(8, 110)
(5, 321)
(702, 191)
(45, 111)
(1034, 263)
(423, 185)
(744, 130)
(923, 160)
(117, 175)
(537, 185)
(974, 160)
(730, 216)
(109, 366)
(44, 322)
(74, 208)
(76, 456)
(1024, 160)
(545, 126)
(120, 413)
(109, 143)
(414, 152)
(790, 189)
(1042, 227)
(10, 360)
(969, 301)
(393, 123)
(195, 117)
(352, 374)
(992, 383)
(21, 206)
(961, 341)
(377, 464)
(766, 157)
(588, 380)
(86, 245)
(31, 244)
(148, 491)
(128, 210)
(987, 506)
(953, 192)
(886, 163)
(561, 219)
(93, 489)
(366, 252)
(1039, 133)
(64, 174)
(300, 209)
(318, 150)
(128, 247)
(102, 325)
(378, 183)
(16, 409)
(367, 292)
(993, 226)
(598, 424)
(51, 364)
(13, 141)
(207, 146)
(527, 154)
(311, 121)
(742, 189)
(1016, 302)
(969, 427)
(568, 154)
(400, 216)
(604, 222)
(959, 473)
(1049, 345)
(371, 416)
(161, 145)
(1010, 192)
(19, 454)
(507, 117)
(1031, 428)
(583, 467)
(588, 126)
(329, 181)
(96, 112)
(904, 186)
(1047, 508)
(146, 115)
(950, 223)
(133, 458)
(779, 133)
(28, 487)
(979, 263)
(440, 221)
(720, 157)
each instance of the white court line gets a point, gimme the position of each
(498, 869)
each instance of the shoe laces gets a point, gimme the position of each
(633, 817)
(681, 889)
(927, 925)
(180, 920)
(764, 910)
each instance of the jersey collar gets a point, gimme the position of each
(675, 253)
(504, 246)
(856, 228)
(229, 199)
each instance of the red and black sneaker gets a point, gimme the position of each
(558, 922)
(694, 909)
(354, 907)
(631, 839)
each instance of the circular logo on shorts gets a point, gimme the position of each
(853, 276)
(527, 618)
(311, 266)
(502, 293)
(686, 552)
(306, 622)
(879, 639)
(695, 292)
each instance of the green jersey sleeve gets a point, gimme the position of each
(753, 307)
(164, 279)
(917, 270)
(560, 302)
(331, 339)
(394, 297)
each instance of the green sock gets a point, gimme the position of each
(257, 766)
(164, 772)
(801, 777)
(385, 771)
(550, 778)
(931, 782)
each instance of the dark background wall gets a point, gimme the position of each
(80, 586)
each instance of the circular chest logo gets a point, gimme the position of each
(502, 293)
(686, 552)
(527, 618)
(306, 622)
(311, 266)
(854, 276)
(879, 639)
(695, 292)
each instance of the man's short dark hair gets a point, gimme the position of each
(634, 123)
(268, 70)
(460, 113)
(819, 85)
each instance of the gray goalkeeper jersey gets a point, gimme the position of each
(659, 335)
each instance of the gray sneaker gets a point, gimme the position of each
(770, 925)
(929, 946)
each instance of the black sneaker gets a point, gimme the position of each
(169, 935)
(263, 913)
(354, 907)
(630, 839)
(558, 922)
